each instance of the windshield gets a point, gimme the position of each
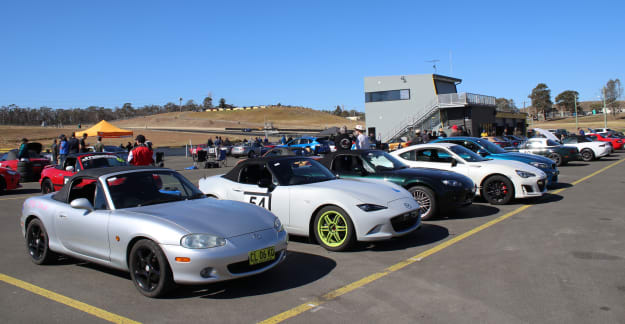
(466, 154)
(382, 161)
(491, 147)
(552, 143)
(148, 188)
(101, 161)
(296, 171)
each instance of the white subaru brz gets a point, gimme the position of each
(498, 181)
(310, 201)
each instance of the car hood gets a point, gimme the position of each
(432, 174)
(362, 190)
(224, 218)
(524, 157)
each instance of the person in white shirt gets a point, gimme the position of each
(362, 141)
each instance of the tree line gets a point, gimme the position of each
(568, 100)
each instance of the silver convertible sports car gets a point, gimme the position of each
(312, 202)
(155, 224)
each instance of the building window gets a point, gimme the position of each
(390, 95)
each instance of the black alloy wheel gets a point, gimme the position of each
(498, 190)
(37, 243)
(149, 269)
(587, 155)
(47, 187)
(427, 201)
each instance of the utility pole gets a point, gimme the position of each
(605, 116)
(576, 123)
(180, 104)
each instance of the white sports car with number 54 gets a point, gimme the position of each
(311, 201)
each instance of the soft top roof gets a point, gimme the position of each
(233, 174)
(95, 173)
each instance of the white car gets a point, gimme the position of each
(310, 201)
(498, 181)
(588, 149)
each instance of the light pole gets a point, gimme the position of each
(180, 104)
(605, 116)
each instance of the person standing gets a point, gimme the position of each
(283, 140)
(99, 147)
(455, 132)
(83, 143)
(209, 143)
(362, 142)
(343, 142)
(54, 151)
(22, 153)
(441, 133)
(416, 139)
(581, 132)
(73, 144)
(63, 149)
(141, 154)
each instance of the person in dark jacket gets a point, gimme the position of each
(73, 144)
(83, 143)
(54, 151)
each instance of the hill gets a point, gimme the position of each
(281, 117)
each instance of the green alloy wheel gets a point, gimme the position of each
(334, 229)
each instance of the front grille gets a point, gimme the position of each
(244, 266)
(405, 221)
(541, 185)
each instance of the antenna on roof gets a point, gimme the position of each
(434, 65)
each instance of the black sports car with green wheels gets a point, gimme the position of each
(436, 191)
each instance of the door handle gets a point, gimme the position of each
(62, 216)
(237, 190)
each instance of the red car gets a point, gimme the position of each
(9, 179)
(53, 177)
(30, 168)
(617, 143)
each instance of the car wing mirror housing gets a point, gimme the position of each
(264, 183)
(481, 152)
(454, 162)
(81, 203)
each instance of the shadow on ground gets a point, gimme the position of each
(427, 234)
(473, 211)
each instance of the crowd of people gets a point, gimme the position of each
(141, 153)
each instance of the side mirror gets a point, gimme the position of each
(81, 203)
(69, 168)
(264, 183)
(482, 152)
(454, 162)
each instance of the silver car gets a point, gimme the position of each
(249, 149)
(154, 224)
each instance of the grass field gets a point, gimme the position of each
(595, 121)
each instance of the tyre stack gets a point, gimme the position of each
(26, 171)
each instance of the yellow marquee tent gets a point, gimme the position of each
(106, 130)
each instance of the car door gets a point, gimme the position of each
(81, 231)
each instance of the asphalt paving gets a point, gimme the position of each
(560, 259)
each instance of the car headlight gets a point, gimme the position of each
(277, 224)
(11, 172)
(201, 241)
(539, 165)
(524, 174)
(452, 183)
(371, 207)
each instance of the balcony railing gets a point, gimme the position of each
(464, 98)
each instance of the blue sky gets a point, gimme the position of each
(312, 53)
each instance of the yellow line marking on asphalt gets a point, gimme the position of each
(373, 277)
(95, 311)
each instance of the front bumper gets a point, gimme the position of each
(530, 187)
(397, 220)
(456, 198)
(228, 261)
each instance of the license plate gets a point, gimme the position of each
(262, 255)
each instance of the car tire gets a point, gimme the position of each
(149, 269)
(427, 201)
(47, 186)
(587, 155)
(25, 170)
(37, 243)
(556, 158)
(497, 190)
(334, 229)
(3, 185)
